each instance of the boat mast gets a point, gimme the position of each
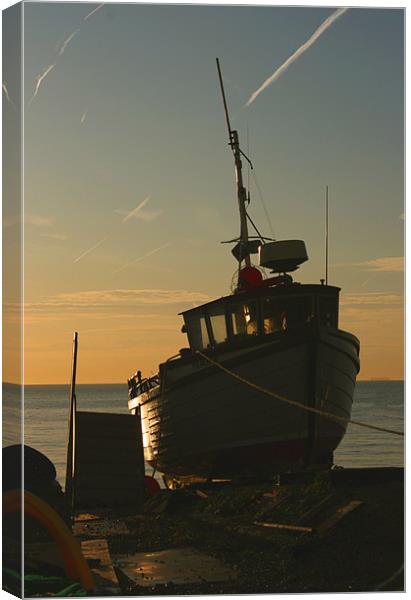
(241, 191)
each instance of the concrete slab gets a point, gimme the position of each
(178, 566)
(100, 528)
(97, 555)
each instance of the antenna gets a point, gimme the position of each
(224, 99)
(326, 235)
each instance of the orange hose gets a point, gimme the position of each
(75, 563)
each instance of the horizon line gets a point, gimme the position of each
(372, 379)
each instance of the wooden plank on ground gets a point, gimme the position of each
(296, 528)
(97, 554)
(336, 517)
(201, 494)
(85, 516)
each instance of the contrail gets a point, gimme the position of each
(6, 93)
(40, 80)
(94, 11)
(90, 249)
(319, 31)
(136, 210)
(67, 41)
(140, 258)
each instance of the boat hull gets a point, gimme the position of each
(208, 424)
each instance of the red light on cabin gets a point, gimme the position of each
(250, 277)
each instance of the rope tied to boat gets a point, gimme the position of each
(311, 409)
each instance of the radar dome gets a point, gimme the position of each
(283, 256)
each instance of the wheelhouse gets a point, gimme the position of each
(269, 311)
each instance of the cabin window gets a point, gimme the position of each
(244, 319)
(274, 315)
(280, 314)
(328, 311)
(197, 332)
(218, 324)
(299, 311)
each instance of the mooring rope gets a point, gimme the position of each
(294, 402)
(381, 586)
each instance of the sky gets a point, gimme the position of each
(129, 182)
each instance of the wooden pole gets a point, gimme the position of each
(71, 445)
(326, 236)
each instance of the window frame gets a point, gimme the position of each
(337, 308)
(210, 331)
(230, 331)
(198, 316)
(285, 299)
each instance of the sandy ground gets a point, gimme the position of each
(348, 534)
(353, 551)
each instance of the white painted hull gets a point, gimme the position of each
(208, 424)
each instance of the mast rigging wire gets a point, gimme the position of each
(260, 194)
(255, 227)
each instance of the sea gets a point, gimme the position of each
(379, 403)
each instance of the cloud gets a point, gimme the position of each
(29, 219)
(34, 220)
(313, 38)
(149, 215)
(39, 220)
(379, 299)
(370, 313)
(55, 236)
(388, 264)
(375, 317)
(115, 299)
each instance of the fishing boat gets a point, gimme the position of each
(265, 371)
